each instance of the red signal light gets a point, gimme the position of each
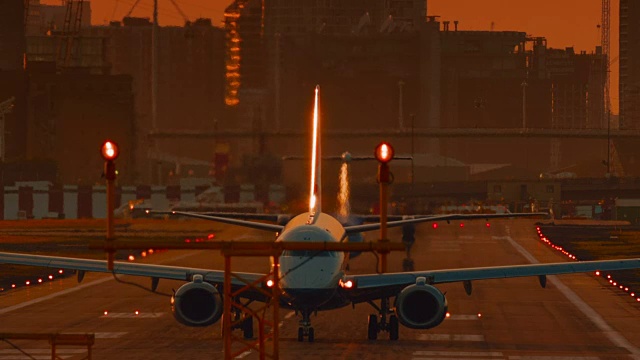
(488, 225)
(461, 225)
(384, 152)
(435, 225)
(109, 150)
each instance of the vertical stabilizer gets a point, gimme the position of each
(315, 200)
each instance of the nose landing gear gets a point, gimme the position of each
(305, 328)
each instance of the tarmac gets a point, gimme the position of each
(576, 317)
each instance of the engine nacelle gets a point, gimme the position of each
(421, 306)
(197, 303)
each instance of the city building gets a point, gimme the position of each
(73, 112)
(190, 86)
(629, 59)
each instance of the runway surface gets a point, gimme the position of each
(576, 317)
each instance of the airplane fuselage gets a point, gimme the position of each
(310, 279)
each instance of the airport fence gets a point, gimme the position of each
(42, 200)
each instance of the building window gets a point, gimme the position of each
(550, 189)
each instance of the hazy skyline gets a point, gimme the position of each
(564, 23)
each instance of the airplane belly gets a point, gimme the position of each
(309, 282)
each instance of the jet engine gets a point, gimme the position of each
(197, 303)
(421, 306)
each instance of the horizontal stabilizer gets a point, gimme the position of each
(238, 222)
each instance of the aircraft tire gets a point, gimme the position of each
(311, 334)
(393, 328)
(300, 334)
(247, 327)
(372, 333)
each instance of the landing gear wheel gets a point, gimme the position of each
(372, 333)
(247, 327)
(393, 327)
(311, 334)
(300, 334)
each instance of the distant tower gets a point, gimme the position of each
(12, 39)
(629, 58)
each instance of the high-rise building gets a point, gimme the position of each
(629, 61)
(12, 35)
(577, 84)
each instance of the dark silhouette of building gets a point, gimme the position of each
(190, 83)
(12, 40)
(577, 84)
(12, 78)
(629, 61)
(73, 113)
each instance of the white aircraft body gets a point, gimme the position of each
(317, 281)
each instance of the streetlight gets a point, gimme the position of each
(384, 154)
(110, 152)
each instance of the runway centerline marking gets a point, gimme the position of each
(110, 335)
(244, 354)
(540, 357)
(458, 354)
(462, 317)
(614, 336)
(289, 315)
(42, 351)
(450, 337)
(32, 357)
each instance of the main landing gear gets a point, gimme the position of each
(305, 328)
(379, 323)
(243, 322)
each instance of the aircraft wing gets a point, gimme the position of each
(226, 220)
(427, 218)
(369, 286)
(126, 268)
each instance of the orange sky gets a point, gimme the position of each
(563, 22)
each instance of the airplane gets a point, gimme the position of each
(317, 281)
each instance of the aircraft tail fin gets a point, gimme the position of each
(315, 199)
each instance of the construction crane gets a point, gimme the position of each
(5, 108)
(70, 31)
(605, 28)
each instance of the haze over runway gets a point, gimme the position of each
(575, 317)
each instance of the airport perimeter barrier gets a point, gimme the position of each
(42, 200)
(55, 340)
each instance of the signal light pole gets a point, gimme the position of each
(110, 152)
(384, 154)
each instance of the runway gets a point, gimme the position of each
(576, 317)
